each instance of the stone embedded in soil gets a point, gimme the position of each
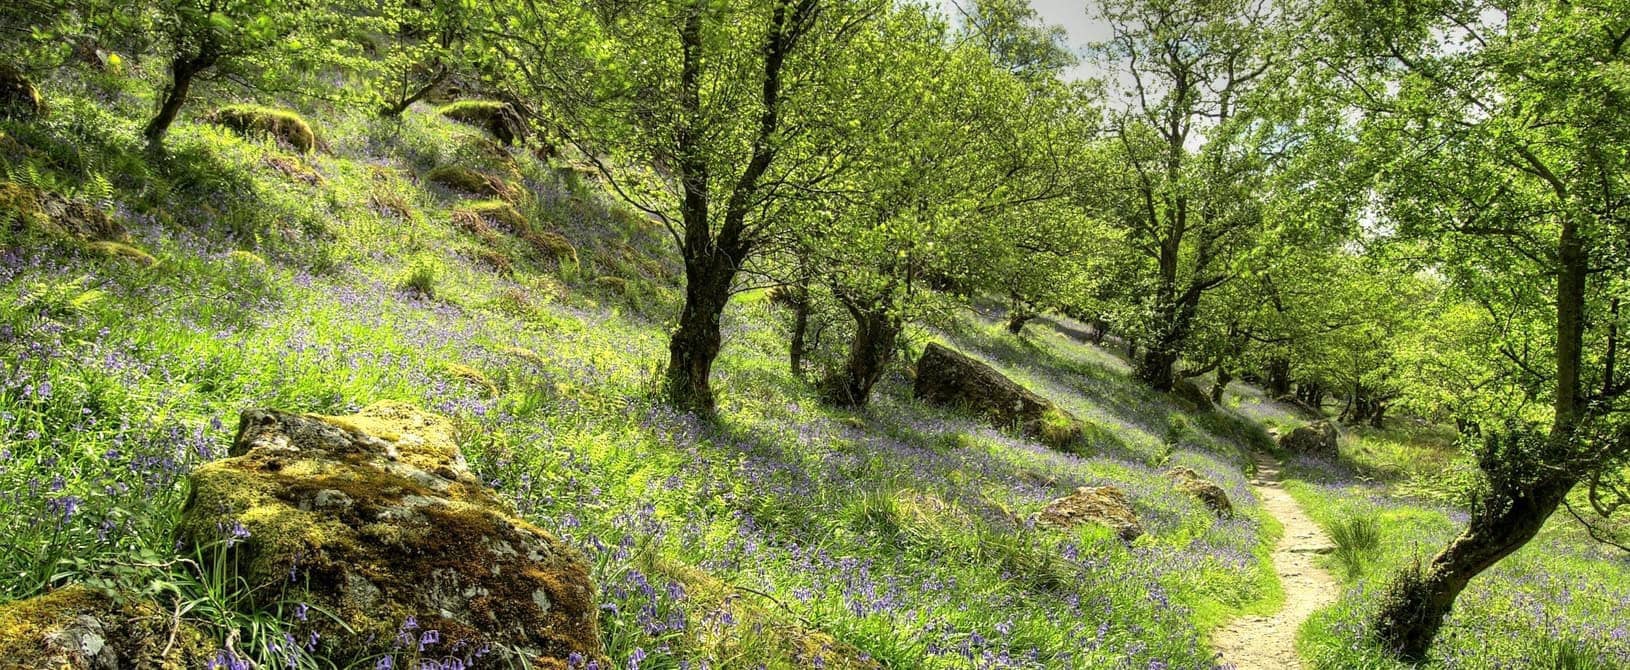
(947, 377)
(77, 628)
(373, 519)
(1190, 482)
(1103, 505)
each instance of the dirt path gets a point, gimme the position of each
(1269, 642)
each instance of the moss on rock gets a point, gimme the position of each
(496, 211)
(123, 252)
(465, 180)
(379, 519)
(77, 628)
(30, 210)
(499, 118)
(551, 245)
(255, 120)
(19, 98)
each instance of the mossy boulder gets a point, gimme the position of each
(499, 118)
(1191, 397)
(1102, 505)
(1317, 438)
(497, 211)
(948, 377)
(1186, 480)
(473, 182)
(28, 209)
(19, 98)
(552, 245)
(78, 628)
(256, 121)
(120, 251)
(374, 519)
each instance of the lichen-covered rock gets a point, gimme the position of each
(77, 628)
(1190, 482)
(948, 377)
(1103, 505)
(1318, 438)
(374, 518)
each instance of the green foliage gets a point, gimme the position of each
(421, 275)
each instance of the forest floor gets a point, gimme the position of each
(1269, 642)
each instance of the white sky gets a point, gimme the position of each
(1072, 15)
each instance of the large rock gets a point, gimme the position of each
(1103, 505)
(1318, 438)
(1191, 396)
(375, 520)
(77, 628)
(947, 377)
(1188, 481)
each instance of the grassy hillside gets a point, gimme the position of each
(786, 535)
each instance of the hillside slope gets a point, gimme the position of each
(786, 535)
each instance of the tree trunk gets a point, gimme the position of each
(1154, 367)
(797, 349)
(870, 351)
(1100, 330)
(1278, 377)
(1416, 603)
(695, 343)
(1018, 315)
(1220, 385)
(1016, 321)
(182, 71)
(1523, 494)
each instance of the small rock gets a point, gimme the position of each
(1190, 482)
(1104, 505)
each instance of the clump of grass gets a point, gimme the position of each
(280, 124)
(421, 276)
(1357, 540)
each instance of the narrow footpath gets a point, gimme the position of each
(1269, 642)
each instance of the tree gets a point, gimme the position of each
(1500, 130)
(203, 34)
(1187, 197)
(717, 119)
(428, 37)
(1016, 37)
(958, 152)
